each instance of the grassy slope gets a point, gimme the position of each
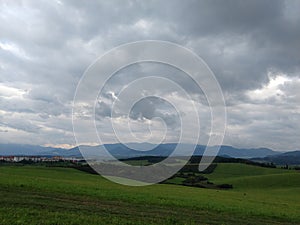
(249, 177)
(39, 195)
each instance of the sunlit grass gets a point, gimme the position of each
(68, 196)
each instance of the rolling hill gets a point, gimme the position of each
(50, 195)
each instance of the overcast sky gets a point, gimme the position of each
(252, 47)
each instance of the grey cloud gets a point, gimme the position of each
(103, 110)
(146, 109)
(20, 124)
(46, 47)
(151, 107)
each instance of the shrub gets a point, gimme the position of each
(225, 186)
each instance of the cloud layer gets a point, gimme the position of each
(253, 48)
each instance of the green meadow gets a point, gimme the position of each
(53, 195)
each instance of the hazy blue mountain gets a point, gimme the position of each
(246, 153)
(122, 151)
(290, 158)
(22, 149)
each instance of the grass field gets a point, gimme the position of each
(47, 195)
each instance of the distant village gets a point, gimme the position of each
(39, 159)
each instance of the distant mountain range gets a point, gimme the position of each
(290, 158)
(122, 151)
(22, 149)
(146, 149)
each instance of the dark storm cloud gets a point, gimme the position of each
(147, 108)
(45, 46)
(151, 107)
(241, 41)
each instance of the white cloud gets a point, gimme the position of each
(271, 90)
(10, 92)
(14, 49)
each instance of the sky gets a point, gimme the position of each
(252, 47)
